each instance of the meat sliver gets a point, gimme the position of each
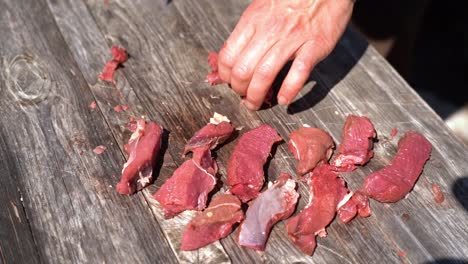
(311, 147)
(357, 142)
(142, 148)
(214, 223)
(189, 186)
(394, 182)
(326, 191)
(245, 172)
(273, 205)
(210, 136)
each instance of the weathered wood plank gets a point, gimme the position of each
(48, 134)
(88, 45)
(363, 86)
(17, 244)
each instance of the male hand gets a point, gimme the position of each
(272, 32)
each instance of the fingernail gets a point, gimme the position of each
(282, 100)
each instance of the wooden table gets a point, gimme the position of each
(58, 198)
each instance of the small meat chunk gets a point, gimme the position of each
(357, 204)
(395, 181)
(214, 223)
(213, 77)
(119, 56)
(273, 205)
(143, 146)
(357, 142)
(326, 191)
(211, 135)
(311, 147)
(189, 186)
(245, 172)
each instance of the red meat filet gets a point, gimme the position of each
(394, 182)
(142, 148)
(357, 142)
(311, 146)
(189, 186)
(209, 136)
(245, 167)
(357, 204)
(119, 56)
(213, 77)
(214, 223)
(326, 192)
(273, 205)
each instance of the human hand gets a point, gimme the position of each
(272, 32)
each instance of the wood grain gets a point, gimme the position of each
(48, 133)
(49, 77)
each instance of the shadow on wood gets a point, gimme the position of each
(460, 191)
(327, 73)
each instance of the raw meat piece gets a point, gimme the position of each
(214, 223)
(93, 105)
(311, 146)
(213, 77)
(393, 133)
(125, 107)
(142, 147)
(119, 56)
(99, 149)
(211, 135)
(326, 192)
(118, 108)
(357, 204)
(394, 182)
(438, 194)
(357, 142)
(189, 186)
(245, 167)
(273, 205)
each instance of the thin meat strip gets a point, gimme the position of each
(273, 205)
(311, 147)
(357, 142)
(143, 146)
(396, 180)
(189, 186)
(214, 223)
(214, 133)
(245, 172)
(119, 56)
(327, 190)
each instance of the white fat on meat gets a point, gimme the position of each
(218, 118)
(344, 200)
(295, 149)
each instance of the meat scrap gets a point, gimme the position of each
(213, 77)
(214, 223)
(357, 142)
(394, 182)
(99, 149)
(358, 204)
(119, 56)
(216, 132)
(438, 194)
(273, 205)
(93, 105)
(245, 167)
(142, 147)
(311, 146)
(189, 186)
(326, 191)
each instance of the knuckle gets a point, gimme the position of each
(264, 71)
(241, 72)
(226, 57)
(302, 66)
